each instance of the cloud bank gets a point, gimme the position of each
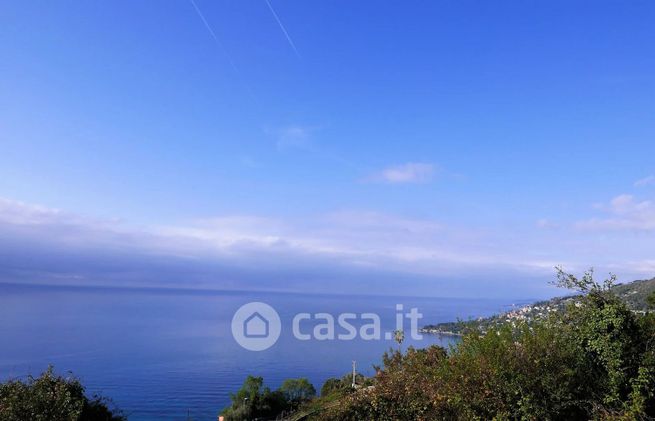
(348, 251)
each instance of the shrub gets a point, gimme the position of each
(594, 361)
(53, 398)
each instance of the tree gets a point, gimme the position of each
(297, 391)
(254, 400)
(332, 385)
(585, 284)
(53, 398)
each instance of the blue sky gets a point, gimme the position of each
(431, 144)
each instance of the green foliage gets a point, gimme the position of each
(399, 336)
(343, 386)
(585, 284)
(332, 386)
(596, 360)
(297, 391)
(52, 398)
(634, 295)
(255, 401)
(650, 300)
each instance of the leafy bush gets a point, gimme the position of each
(594, 361)
(297, 391)
(52, 398)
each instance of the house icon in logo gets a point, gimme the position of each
(255, 326)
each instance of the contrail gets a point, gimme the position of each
(286, 34)
(211, 32)
(222, 47)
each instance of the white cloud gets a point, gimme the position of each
(646, 181)
(624, 213)
(15, 212)
(410, 172)
(350, 235)
(226, 231)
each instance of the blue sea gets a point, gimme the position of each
(167, 353)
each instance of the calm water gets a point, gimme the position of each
(159, 354)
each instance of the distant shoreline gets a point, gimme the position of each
(439, 332)
(632, 293)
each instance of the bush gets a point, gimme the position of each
(297, 391)
(595, 361)
(52, 398)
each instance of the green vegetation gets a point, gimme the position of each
(638, 296)
(337, 388)
(52, 398)
(593, 358)
(297, 391)
(254, 401)
(294, 400)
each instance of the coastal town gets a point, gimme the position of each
(633, 293)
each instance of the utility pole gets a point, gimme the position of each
(354, 373)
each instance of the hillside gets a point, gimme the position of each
(633, 293)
